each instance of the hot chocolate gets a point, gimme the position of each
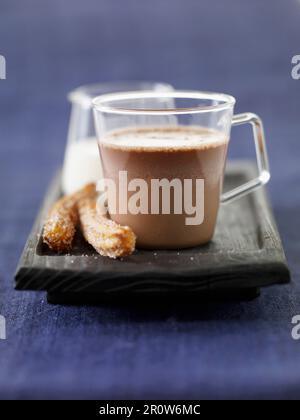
(166, 153)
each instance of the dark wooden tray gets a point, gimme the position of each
(245, 254)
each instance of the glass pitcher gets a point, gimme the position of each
(82, 163)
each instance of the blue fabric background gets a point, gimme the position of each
(237, 350)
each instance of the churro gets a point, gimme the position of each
(106, 236)
(60, 226)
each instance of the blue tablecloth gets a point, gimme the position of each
(220, 350)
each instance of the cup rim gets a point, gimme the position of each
(82, 95)
(100, 103)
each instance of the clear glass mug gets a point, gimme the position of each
(81, 162)
(170, 146)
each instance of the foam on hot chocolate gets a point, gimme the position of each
(168, 138)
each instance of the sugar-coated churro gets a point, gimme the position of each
(107, 237)
(60, 226)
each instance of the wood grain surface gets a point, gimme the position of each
(246, 253)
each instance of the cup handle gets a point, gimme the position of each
(261, 157)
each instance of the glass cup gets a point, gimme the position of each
(163, 157)
(81, 162)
